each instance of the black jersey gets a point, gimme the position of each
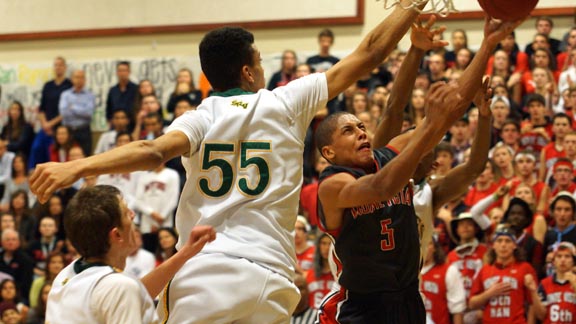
(377, 245)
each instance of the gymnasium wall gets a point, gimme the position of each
(26, 64)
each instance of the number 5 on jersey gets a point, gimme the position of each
(211, 159)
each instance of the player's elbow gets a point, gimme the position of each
(150, 152)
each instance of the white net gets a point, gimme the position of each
(440, 7)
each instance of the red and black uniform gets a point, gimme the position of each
(468, 263)
(433, 286)
(559, 299)
(507, 308)
(378, 253)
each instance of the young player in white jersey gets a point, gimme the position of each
(243, 156)
(93, 289)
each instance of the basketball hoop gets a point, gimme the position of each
(441, 7)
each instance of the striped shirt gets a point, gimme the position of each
(306, 317)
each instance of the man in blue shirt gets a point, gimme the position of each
(76, 108)
(121, 96)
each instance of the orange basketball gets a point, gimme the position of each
(508, 10)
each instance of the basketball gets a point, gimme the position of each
(508, 10)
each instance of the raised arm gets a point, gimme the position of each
(139, 155)
(375, 47)
(457, 181)
(422, 38)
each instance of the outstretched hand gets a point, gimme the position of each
(496, 30)
(444, 105)
(483, 99)
(422, 36)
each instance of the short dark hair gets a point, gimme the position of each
(123, 133)
(443, 147)
(545, 18)
(562, 115)
(326, 128)
(127, 63)
(513, 122)
(326, 32)
(223, 53)
(535, 97)
(156, 116)
(90, 216)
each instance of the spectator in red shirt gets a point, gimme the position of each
(304, 250)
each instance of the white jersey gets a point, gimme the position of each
(423, 206)
(98, 295)
(106, 142)
(140, 264)
(244, 169)
(157, 192)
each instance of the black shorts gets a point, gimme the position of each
(346, 307)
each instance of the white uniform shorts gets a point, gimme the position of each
(216, 288)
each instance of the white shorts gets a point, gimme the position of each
(216, 288)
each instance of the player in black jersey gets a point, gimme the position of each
(365, 202)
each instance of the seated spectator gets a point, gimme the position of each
(437, 68)
(309, 193)
(120, 122)
(287, 71)
(527, 193)
(500, 112)
(150, 104)
(542, 58)
(460, 139)
(503, 67)
(416, 106)
(7, 221)
(518, 59)
(525, 162)
(544, 27)
(484, 186)
(6, 159)
(37, 314)
(47, 245)
(561, 126)
(140, 262)
(54, 264)
(184, 86)
(167, 239)
(320, 279)
(442, 286)
(444, 159)
(563, 175)
(18, 181)
(145, 88)
(15, 262)
(303, 314)
(503, 157)
(9, 313)
(304, 250)
(463, 58)
(25, 220)
(564, 60)
(562, 211)
(556, 303)
(63, 142)
(9, 293)
(459, 42)
(505, 283)
(17, 133)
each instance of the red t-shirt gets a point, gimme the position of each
(318, 287)
(551, 154)
(474, 196)
(306, 259)
(560, 301)
(507, 308)
(433, 286)
(538, 187)
(468, 265)
(535, 141)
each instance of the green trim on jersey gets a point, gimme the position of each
(231, 93)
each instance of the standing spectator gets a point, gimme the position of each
(442, 286)
(17, 133)
(500, 111)
(568, 76)
(145, 88)
(503, 157)
(563, 175)
(459, 42)
(444, 157)
(518, 59)
(184, 87)
(320, 279)
(287, 71)
(119, 122)
(121, 96)
(150, 104)
(303, 314)
(484, 185)
(505, 283)
(525, 162)
(304, 250)
(49, 113)
(76, 108)
(544, 27)
(157, 193)
(556, 304)
(323, 60)
(561, 126)
(15, 262)
(437, 68)
(6, 158)
(460, 139)
(564, 60)
(167, 239)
